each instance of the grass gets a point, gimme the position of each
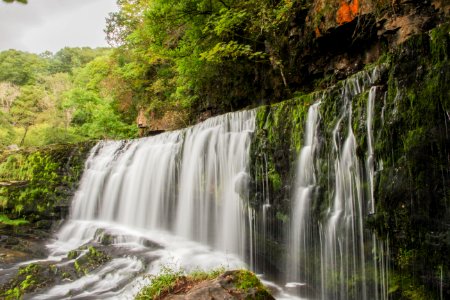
(168, 280)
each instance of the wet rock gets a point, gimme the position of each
(89, 260)
(150, 244)
(35, 277)
(27, 280)
(20, 243)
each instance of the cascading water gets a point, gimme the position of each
(343, 232)
(134, 183)
(328, 255)
(213, 182)
(301, 233)
(172, 190)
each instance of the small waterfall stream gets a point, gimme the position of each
(328, 254)
(302, 236)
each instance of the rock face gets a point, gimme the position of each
(411, 153)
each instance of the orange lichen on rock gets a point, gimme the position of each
(347, 12)
(317, 32)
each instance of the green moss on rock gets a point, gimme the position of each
(35, 182)
(239, 284)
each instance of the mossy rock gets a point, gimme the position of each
(87, 261)
(38, 182)
(28, 279)
(238, 284)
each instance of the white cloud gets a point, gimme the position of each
(53, 24)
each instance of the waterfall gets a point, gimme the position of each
(130, 182)
(182, 198)
(192, 182)
(178, 199)
(213, 182)
(301, 232)
(330, 254)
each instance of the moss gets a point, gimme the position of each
(17, 222)
(282, 217)
(28, 279)
(412, 196)
(242, 282)
(404, 286)
(89, 260)
(73, 254)
(246, 280)
(80, 271)
(36, 276)
(37, 180)
(410, 139)
(160, 284)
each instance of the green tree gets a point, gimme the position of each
(20, 1)
(26, 108)
(21, 68)
(95, 117)
(68, 59)
(6, 130)
(201, 54)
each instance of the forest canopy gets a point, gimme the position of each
(56, 98)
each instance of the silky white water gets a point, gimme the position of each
(345, 257)
(301, 235)
(192, 183)
(328, 253)
(186, 191)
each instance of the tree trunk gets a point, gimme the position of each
(24, 135)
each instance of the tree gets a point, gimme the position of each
(27, 107)
(189, 54)
(21, 68)
(8, 93)
(68, 59)
(94, 116)
(6, 130)
(20, 1)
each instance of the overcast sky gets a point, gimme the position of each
(53, 24)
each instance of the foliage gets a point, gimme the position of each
(7, 221)
(70, 96)
(27, 280)
(8, 94)
(88, 260)
(68, 59)
(171, 56)
(36, 181)
(241, 282)
(197, 55)
(20, 1)
(163, 282)
(21, 68)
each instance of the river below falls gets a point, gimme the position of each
(136, 254)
